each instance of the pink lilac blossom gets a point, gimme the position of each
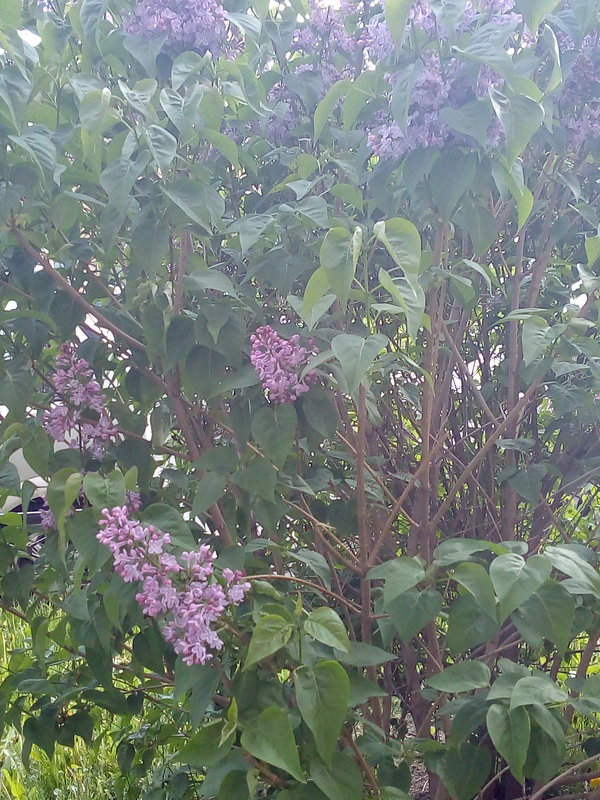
(195, 24)
(279, 363)
(182, 592)
(79, 400)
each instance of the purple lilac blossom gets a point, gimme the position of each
(323, 28)
(424, 126)
(47, 520)
(196, 24)
(580, 103)
(378, 39)
(279, 363)
(178, 591)
(78, 396)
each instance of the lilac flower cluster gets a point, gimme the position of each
(324, 28)
(424, 126)
(580, 105)
(79, 398)
(180, 592)
(195, 24)
(279, 363)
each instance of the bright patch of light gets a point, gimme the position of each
(29, 37)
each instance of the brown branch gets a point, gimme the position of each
(46, 265)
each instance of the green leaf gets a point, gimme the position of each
(356, 355)
(400, 574)
(168, 519)
(163, 146)
(324, 625)
(463, 771)
(272, 740)
(212, 279)
(412, 610)
(364, 655)
(402, 241)
(105, 492)
(200, 202)
(547, 613)
(451, 176)
(510, 731)
(322, 694)
(259, 477)
(145, 49)
(63, 490)
(315, 562)
(338, 261)
(396, 17)
(536, 11)
(477, 582)
(536, 689)
(270, 634)
(467, 625)
(341, 781)
(520, 117)
(515, 579)
(449, 14)
(461, 677)
(226, 146)
(205, 747)
(410, 297)
(326, 106)
(273, 428)
(250, 228)
(9, 478)
(592, 249)
(573, 565)
(452, 551)
(210, 489)
(10, 12)
(535, 338)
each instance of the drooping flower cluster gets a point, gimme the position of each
(181, 592)
(194, 24)
(78, 415)
(279, 363)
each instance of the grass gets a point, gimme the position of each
(77, 773)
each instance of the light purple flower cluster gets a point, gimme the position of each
(424, 126)
(79, 398)
(378, 39)
(324, 29)
(580, 105)
(182, 592)
(279, 363)
(195, 24)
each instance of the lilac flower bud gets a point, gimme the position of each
(279, 363)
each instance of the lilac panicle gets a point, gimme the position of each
(178, 591)
(279, 363)
(78, 415)
(186, 24)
